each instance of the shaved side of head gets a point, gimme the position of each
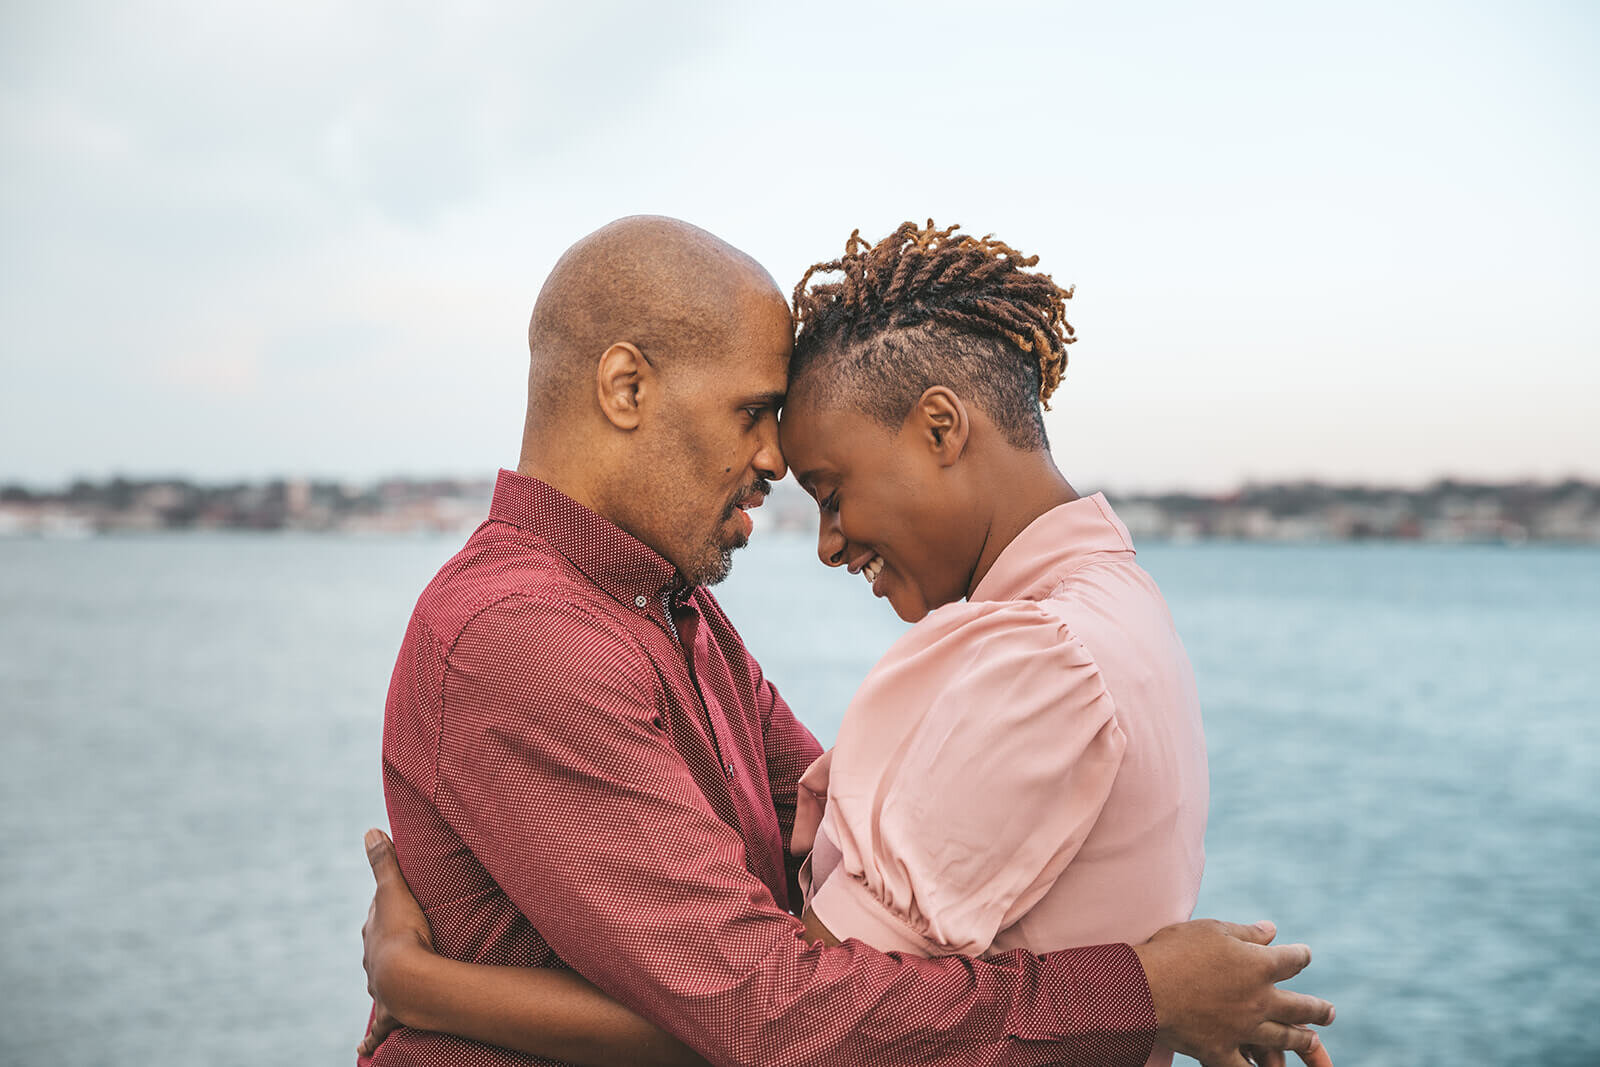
(660, 284)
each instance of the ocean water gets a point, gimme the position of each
(1404, 747)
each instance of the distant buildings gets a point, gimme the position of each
(1447, 511)
(396, 505)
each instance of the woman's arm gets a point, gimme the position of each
(815, 931)
(550, 1013)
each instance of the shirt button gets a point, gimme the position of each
(729, 768)
(640, 601)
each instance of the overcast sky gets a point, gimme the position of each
(1353, 243)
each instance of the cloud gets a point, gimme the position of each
(217, 214)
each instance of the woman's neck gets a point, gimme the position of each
(1037, 487)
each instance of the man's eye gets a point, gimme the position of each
(831, 501)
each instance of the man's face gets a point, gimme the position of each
(883, 510)
(715, 449)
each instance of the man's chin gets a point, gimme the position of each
(715, 567)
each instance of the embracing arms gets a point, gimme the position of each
(1213, 984)
(545, 1012)
(531, 765)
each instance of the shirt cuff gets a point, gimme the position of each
(1093, 1004)
(849, 909)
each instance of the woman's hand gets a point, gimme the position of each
(395, 928)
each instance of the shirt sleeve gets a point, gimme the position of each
(555, 769)
(975, 768)
(790, 749)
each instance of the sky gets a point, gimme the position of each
(1351, 242)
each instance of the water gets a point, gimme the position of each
(1403, 743)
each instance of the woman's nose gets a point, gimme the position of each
(830, 542)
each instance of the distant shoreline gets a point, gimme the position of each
(1445, 512)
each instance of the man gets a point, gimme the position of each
(584, 766)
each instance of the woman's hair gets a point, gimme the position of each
(925, 307)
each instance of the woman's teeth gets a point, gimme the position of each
(873, 568)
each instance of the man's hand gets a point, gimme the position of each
(1214, 986)
(395, 926)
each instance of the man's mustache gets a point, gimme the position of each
(760, 487)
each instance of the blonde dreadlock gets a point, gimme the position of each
(929, 306)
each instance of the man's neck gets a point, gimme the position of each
(557, 476)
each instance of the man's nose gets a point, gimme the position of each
(830, 542)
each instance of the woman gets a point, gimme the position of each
(1025, 767)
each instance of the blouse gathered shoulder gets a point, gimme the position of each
(1025, 769)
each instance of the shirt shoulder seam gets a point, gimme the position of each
(531, 597)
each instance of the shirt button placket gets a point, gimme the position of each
(728, 768)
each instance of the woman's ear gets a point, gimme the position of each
(623, 380)
(941, 422)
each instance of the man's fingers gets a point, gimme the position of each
(1289, 960)
(1260, 933)
(1297, 1039)
(1298, 1009)
(380, 854)
(1264, 1057)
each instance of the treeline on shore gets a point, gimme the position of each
(1447, 510)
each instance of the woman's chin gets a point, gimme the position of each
(910, 609)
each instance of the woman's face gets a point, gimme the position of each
(889, 509)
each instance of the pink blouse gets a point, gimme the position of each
(1022, 770)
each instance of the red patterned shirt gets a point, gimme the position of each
(584, 767)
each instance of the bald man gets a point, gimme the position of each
(585, 768)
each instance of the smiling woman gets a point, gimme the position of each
(1058, 687)
(914, 413)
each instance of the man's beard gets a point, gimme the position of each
(720, 557)
(723, 565)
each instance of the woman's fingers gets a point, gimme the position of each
(380, 854)
(382, 1025)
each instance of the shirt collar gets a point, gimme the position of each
(1035, 561)
(609, 556)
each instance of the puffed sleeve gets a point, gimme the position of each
(969, 769)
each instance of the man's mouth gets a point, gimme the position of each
(747, 502)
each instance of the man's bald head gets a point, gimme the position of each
(670, 289)
(660, 357)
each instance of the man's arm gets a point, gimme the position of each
(790, 749)
(1207, 986)
(555, 770)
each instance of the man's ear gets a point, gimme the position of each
(624, 380)
(939, 418)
